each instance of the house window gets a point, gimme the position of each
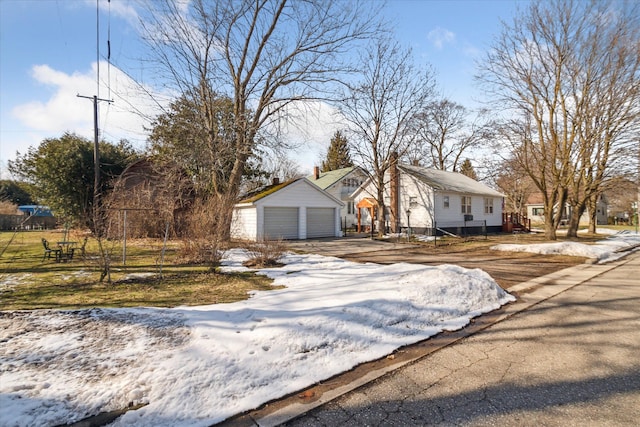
(537, 211)
(445, 202)
(413, 201)
(351, 208)
(488, 205)
(466, 205)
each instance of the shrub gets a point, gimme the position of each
(265, 253)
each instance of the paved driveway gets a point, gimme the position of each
(507, 268)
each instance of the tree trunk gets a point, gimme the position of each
(593, 214)
(574, 221)
(549, 227)
(381, 209)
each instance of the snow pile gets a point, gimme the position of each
(199, 365)
(602, 251)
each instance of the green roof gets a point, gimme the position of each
(263, 192)
(327, 179)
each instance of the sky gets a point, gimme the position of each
(196, 366)
(48, 56)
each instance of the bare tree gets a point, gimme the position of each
(380, 110)
(263, 54)
(566, 73)
(608, 87)
(514, 183)
(445, 134)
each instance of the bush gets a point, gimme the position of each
(265, 253)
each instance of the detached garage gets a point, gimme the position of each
(291, 210)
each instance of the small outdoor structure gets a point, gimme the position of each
(430, 201)
(514, 222)
(294, 209)
(370, 205)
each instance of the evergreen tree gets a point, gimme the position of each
(467, 169)
(18, 193)
(61, 173)
(338, 154)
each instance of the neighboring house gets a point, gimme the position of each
(432, 201)
(295, 209)
(37, 217)
(144, 200)
(535, 211)
(341, 183)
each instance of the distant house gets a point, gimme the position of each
(431, 201)
(341, 183)
(294, 209)
(36, 210)
(535, 211)
(145, 199)
(37, 217)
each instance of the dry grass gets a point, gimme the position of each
(473, 243)
(28, 282)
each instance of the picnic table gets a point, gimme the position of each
(67, 248)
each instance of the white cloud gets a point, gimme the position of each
(440, 36)
(117, 8)
(64, 111)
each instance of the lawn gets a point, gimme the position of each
(144, 278)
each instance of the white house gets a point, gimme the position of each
(291, 210)
(431, 201)
(535, 211)
(341, 183)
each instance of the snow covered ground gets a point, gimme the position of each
(197, 366)
(602, 251)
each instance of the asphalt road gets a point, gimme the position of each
(569, 357)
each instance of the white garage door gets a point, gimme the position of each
(280, 223)
(320, 222)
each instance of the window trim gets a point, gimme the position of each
(488, 206)
(465, 208)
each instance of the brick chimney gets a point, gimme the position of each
(394, 191)
(316, 172)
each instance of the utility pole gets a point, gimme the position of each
(96, 150)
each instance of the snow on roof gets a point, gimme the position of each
(449, 181)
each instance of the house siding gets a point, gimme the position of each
(249, 220)
(244, 223)
(428, 211)
(422, 211)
